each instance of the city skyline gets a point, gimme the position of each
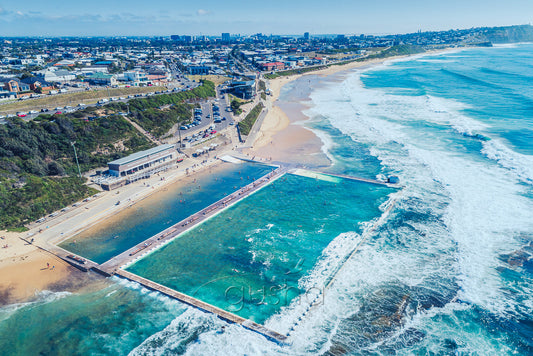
(137, 18)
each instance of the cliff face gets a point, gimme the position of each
(522, 33)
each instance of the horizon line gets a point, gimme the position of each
(252, 34)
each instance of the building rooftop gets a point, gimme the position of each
(99, 75)
(141, 154)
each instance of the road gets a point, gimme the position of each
(187, 84)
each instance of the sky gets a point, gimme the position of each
(212, 17)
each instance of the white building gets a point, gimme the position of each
(136, 78)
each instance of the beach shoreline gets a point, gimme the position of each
(22, 263)
(283, 136)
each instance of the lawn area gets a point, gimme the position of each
(217, 79)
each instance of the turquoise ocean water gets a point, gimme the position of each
(250, 258)
(450, 272)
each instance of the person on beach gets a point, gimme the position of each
(47, 265)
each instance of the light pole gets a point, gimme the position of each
(76, 155)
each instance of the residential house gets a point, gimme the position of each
(270, 66)
(38, 82)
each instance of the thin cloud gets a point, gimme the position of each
(202, 12)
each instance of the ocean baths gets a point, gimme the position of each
(252, 253)
(259, 255)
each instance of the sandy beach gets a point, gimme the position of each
(26, 275)
(25, 269)
(283, 137)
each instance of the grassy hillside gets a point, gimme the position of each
(30, 197)
(38, 173)
(522, 33)
(248, 122)
(157, 114)
(42, 147)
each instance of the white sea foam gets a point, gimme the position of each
(486, 207)
(41, 297)
(160, 297)
(473, 209)
(519, 164)
(178, 333)
(435, 60)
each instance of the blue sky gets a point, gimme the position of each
(210, 17)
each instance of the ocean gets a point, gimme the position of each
(449, 272)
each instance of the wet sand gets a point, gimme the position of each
(283, 135)
(23, 277)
